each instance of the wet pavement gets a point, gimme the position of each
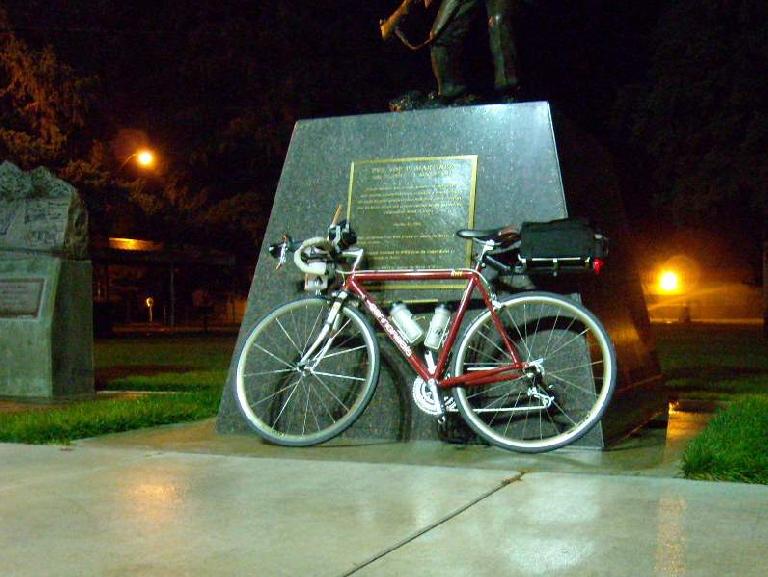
(654, 450)
(181, 500)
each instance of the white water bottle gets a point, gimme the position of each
(437, 327)
(405, 323)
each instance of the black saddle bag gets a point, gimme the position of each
(565, 245)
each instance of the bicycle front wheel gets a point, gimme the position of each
(567, 382)
(289, 403)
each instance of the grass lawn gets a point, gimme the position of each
(734, 446)
(727, 363)
(713, 361)
(207, 352)
(169, 380)
(79, 420)
(186, 373)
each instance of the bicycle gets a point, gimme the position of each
(531, 372)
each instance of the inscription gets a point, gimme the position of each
(46, 221)
(406, 211)
(34, 223)
(8, 211)
(20, 297)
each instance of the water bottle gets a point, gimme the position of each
(405, 323)
(437, 327)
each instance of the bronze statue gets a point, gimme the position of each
(392, 24)
(447, 41)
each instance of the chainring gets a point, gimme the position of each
(426, 402)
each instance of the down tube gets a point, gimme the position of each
(393, 334)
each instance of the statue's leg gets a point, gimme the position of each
(501, 23)
(450, 30)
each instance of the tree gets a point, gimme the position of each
(702, 116)
(42, 101)
(46, 118)
(226, 85)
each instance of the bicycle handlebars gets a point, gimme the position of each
(318, 255)
(314, 267)
(313, 255)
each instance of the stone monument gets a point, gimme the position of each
(485, 166)
(46, 327)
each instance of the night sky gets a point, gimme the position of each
(671, 89)
(577, 52)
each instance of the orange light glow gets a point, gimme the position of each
(117, 243)
(669, 282)
(145, 158)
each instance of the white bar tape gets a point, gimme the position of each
(316, 268)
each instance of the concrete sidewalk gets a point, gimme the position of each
(652, 451)
(180, 501)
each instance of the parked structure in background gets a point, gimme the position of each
(129, 271)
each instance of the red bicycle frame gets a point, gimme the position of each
(354, 282)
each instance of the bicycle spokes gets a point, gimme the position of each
(300, 383)
(562, 387)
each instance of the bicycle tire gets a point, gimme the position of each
(287, 405)
(578, 371)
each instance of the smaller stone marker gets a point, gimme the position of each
(46, 319)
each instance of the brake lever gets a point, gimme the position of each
(281, 260)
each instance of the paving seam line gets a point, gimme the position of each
(428, 528)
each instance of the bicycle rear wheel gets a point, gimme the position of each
(290, 404)
(563, 391)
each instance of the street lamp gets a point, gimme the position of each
(669, 282)
(675, 285)
(145, 158)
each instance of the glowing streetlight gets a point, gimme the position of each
(150, 302)
(669, 282)
(145, 159)
(671, 287)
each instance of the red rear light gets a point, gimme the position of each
(597, 265)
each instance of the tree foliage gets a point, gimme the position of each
(42, 101)
(47, 112)
(702, 115)
(216, 88)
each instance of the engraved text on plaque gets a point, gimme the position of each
(20, 297)
(406, 211)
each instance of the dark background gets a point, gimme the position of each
(674, 90)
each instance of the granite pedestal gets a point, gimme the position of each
(518, 179)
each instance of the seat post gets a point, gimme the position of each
(488, 245)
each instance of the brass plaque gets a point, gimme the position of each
(406, 212)
(20, 297)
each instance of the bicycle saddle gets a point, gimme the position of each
(506, 234)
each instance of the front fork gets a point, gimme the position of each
(327, 333)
